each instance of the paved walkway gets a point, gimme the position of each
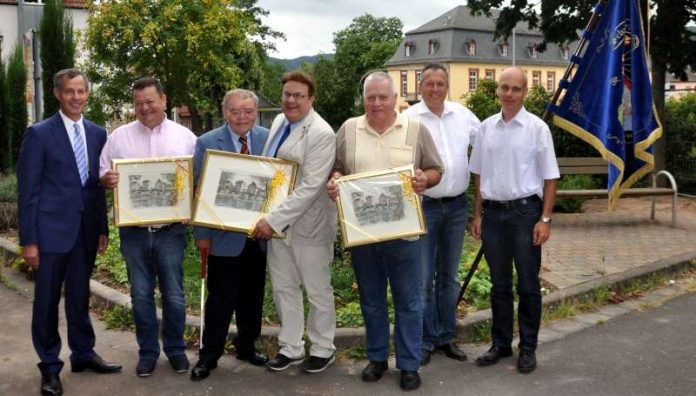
(588, 246)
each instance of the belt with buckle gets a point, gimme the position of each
(441, 200)
(488, 204)
(157, 228)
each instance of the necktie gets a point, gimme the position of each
(245, 147)
(286, 133)
(80, 153)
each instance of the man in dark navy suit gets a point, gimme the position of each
(237, 264)
(62, 226)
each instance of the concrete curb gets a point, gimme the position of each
(104, 296)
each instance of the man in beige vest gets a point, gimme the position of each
(383, 139)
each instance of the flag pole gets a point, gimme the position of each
(571, 65)
(204, 263)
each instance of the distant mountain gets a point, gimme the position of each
(294, 64)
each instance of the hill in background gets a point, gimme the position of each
(294, 64)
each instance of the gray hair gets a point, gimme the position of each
(70, 74)
(379, 76)
(240, 93)
(435, 67)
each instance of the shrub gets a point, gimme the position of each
(574, 182)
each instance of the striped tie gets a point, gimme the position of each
(245, 147)
(80, 154)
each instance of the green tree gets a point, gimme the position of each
(673, 46)
(57, 50)
(198, 50)
(483, 102)
(271, 86)
(16, 106)
(365, 45)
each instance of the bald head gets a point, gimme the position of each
(512, 88)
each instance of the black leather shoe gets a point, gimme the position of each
(493, 355)
(50, 385)
(179, 363)
(256, 358)
(201, 370)
(96, 364)
(526, 363)
(374, 370)
(425, 357)
(452, 351)
(410, 380)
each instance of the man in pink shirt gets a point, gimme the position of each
(153, 254)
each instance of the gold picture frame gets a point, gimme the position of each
(153, 190)
(236, 190)
(379, 206)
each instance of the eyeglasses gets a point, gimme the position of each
(238, 112)
(295, 95)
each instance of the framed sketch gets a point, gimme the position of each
(236, 190)
(379, 206)
(153, 190)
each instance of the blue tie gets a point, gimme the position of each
(286, 133)
(80, 154)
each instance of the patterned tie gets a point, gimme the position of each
(286, 133)
(245, 147)
(80, 154)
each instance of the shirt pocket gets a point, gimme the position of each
(400, 155)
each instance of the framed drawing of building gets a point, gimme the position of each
(378, 206)
(153, 190)
(236, 190)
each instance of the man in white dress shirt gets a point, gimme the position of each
(453, 128)
(516, 171)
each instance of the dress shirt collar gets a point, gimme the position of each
(69, 123)
(520, 118)
(423, 109)
(157, 129)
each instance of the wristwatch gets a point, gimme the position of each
(545, 220)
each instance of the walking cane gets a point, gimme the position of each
(470, 275)
(204, 263)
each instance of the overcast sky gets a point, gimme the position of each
(309, 24)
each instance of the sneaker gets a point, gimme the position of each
(179, 363)
(145, 367)
(316, 364)
(281, 362)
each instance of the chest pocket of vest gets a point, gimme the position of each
(400, 155)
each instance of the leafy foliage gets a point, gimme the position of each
(364, 46)
(680, 121)
(197, 49)
(4, 114)
(8, 187)
(16, 123)
(57, 50)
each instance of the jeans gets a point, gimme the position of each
(441, 254)
(396, 262)
(507, 237)
(156, 257)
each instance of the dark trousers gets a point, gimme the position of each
(235, 284)
(507, 237)
(75, 269)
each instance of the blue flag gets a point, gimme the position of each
(608, 103)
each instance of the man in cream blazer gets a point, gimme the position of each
(307, 218)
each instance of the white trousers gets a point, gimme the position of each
(290, 267)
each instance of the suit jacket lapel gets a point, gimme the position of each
(256, 146)
(225, 140)
(299, 130)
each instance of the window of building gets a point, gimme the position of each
(533, 51)
(536, 78)
(404, 83)
(551, 81)
(565, 52)
(408, 48)
(490, 74)
(433, 45)
(473, 79)
(471, 47)
(503, 48)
